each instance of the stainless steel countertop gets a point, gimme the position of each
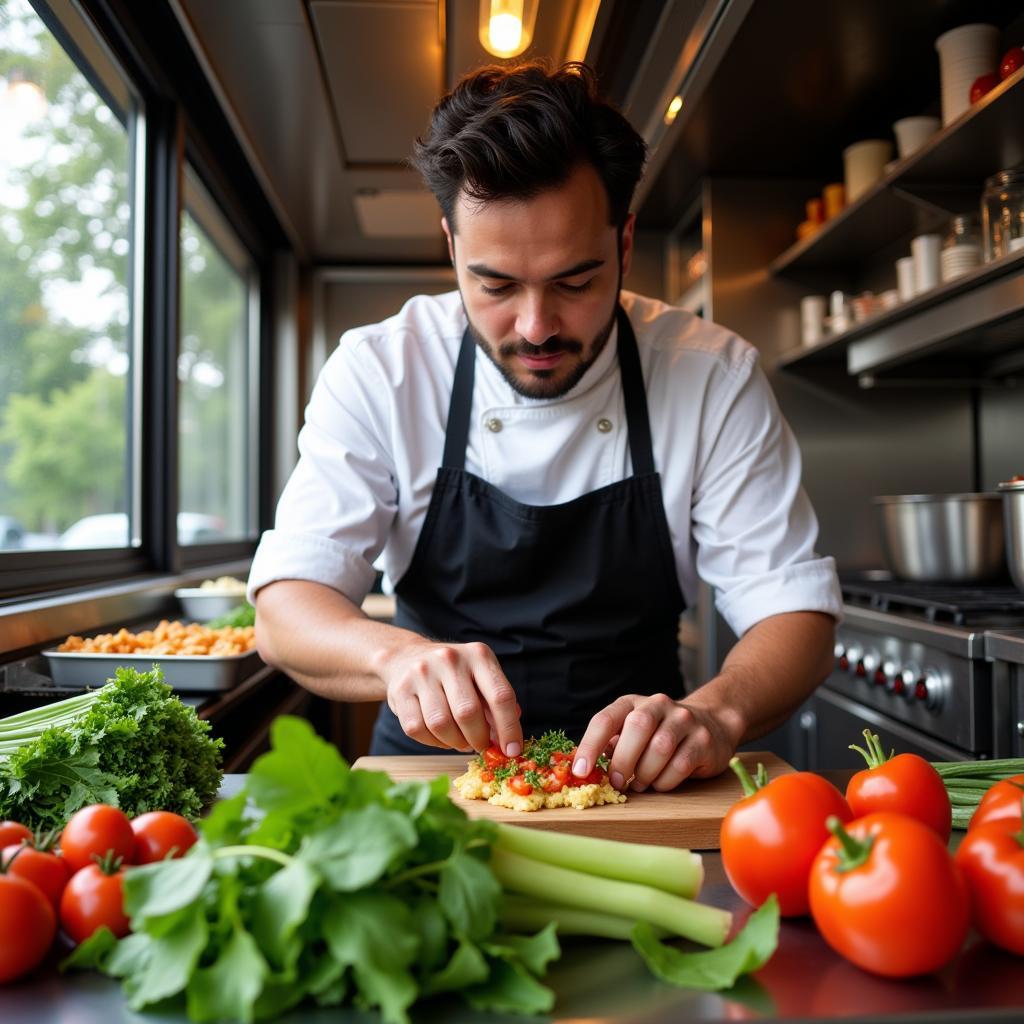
(1005, 645)
(598, 981)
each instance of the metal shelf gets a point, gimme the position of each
(978, 317)
(920, 192)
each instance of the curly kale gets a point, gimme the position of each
(135, 746)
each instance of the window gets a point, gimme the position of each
(216, 375)
(67, 251)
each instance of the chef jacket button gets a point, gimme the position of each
(604, 425)
(494, 425)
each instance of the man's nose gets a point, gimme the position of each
(536, 321)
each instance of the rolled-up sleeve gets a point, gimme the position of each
(336, 510)
(752, 523)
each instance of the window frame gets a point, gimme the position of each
(182, 123)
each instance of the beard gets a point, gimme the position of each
(544, 383)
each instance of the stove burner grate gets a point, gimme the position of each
(938, 602)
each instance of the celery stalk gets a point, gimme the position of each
(520, 914)
(664, 867)
(706, 925)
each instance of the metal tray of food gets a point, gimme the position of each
(199, 672)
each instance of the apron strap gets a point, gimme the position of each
(457, 432)
(634, 394)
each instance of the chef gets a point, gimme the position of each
(545, 466)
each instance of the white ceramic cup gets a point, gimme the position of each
(965, 54)
(863, 164)
(925, 250)
(905, 278)
(913, 132)
(812, 318)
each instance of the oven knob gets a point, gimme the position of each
(909, 677)
(842, 662)
(928, 688)
(868, 663)
(892, 678)
(853, 656)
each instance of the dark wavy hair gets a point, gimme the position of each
(513, 132)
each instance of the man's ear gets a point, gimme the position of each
(627, 243)
(449, 239)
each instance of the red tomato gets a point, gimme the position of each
(770, 837)
(1001, 802)
(1012, 61)
(983, 85)
(560, 756)
(486, 774)
(992, 860)
(93, 832)
(13, 832)
(93, 898)
(494, 758)
(45, 870)
(27, 926)
(886, 894)
(552, 783)
(562, 771)
(519, 785)
(904, 784)
(159, 834)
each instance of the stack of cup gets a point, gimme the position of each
(925, 251)
(863, 164)
(965, 54)
(912, 133)
(905, 288)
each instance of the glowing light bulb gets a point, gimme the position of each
(506, 33)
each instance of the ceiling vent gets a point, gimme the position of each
(398, 213)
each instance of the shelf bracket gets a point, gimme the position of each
(870, 382)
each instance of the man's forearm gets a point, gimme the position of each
(774, 667)
(323, 640)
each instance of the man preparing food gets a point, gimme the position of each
(548, 465)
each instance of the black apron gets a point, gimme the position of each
(579, 601)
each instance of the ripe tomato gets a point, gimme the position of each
(519, 785)
(494, 758)
(486, 774)
(93, 832)
(992, 860)
(552, 783)
(27, 926)
(92, 898)
(982, 85)
(904, 784)
(159, 834)
(45, 870)
(886, 894)
(13, 832)
(1012, 61)
(1002, 801)
(770, 837)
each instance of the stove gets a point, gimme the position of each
(911, 664)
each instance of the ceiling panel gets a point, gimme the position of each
(383, 62)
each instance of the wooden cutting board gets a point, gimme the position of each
(688, 817)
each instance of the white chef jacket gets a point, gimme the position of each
(730, 467)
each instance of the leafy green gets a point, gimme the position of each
(713, 969)
(326, 884)
(243, 615)
(135, 746)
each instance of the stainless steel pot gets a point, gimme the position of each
(943, 538)
(1013, 525)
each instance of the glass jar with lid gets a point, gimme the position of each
(1002, 214)
(961, 248)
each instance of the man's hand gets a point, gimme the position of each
(451, 695)
(657, 742)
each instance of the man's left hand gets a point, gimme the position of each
(657, 742)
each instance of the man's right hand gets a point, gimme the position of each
(451, 695)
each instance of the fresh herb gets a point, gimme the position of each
(551, 742)
(130, 743)
(243, 615)
(534, 779)
(344, 888)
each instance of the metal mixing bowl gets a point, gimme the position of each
(1013, 524)
(943, 538)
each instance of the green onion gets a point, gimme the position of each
(520, 914)
(967, 782)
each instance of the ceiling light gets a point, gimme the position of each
(506, 26)
(673, 108)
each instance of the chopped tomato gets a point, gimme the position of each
(528, 764)
(487, 775)
(552, 783)
(562, 772)
(494, 758)
(559, 756)
(519, 785)
(594, 777)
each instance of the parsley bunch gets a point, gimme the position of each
(344, 887)
(130, 743)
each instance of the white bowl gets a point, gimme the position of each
(202, 605)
